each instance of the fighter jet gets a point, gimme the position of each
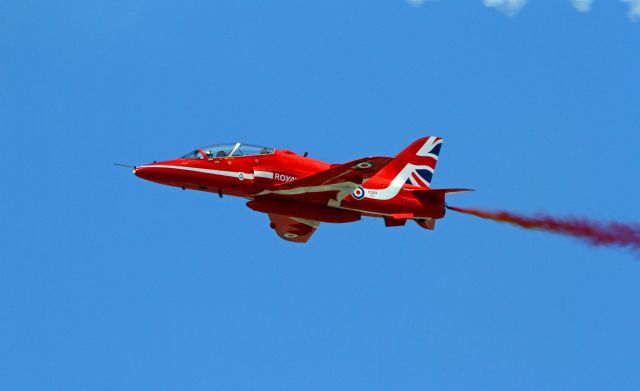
(298, 192)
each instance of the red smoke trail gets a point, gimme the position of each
(594, 232)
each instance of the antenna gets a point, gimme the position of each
(124, 165)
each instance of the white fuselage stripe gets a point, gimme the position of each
(233, 174)
(394, 187)
(263, 174)
(342, 188)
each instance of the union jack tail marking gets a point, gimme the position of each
(415, 166)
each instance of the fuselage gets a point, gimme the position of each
(257, 176)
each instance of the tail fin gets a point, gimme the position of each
(415, 165)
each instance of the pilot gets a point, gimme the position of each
(221, 154)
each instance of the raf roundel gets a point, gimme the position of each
(364, 165)
(358, 193)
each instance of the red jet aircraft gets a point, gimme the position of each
(298, 193)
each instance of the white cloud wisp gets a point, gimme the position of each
(417, 3)
(634, 9)
(582, 5)
(508, 7)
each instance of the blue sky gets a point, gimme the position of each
(109, 282)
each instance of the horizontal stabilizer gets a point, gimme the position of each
(438, 193)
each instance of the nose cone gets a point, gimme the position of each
(139, 172)
(164, 173)
(148, 172)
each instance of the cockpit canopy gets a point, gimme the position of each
(228, 150)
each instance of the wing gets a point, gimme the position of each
(293, 229)
(356, 171)
(340, 178)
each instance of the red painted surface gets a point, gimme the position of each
(290, 187)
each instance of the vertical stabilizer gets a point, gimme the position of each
(415, 166)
